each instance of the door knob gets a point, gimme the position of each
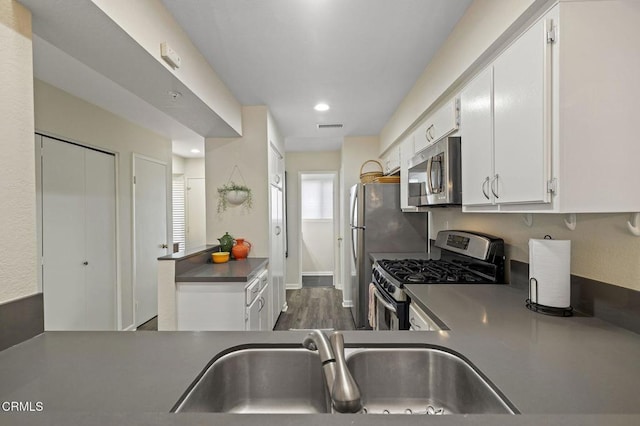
(164, 246)
(85, 263)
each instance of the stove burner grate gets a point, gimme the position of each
(417, 271)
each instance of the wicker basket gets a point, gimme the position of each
(368, 177)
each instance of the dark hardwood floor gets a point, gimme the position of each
(315, 307)
(151, 325)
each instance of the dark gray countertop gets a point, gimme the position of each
(232, 271)
(570, 371)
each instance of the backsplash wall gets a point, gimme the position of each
(602, 248)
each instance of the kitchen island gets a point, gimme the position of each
(196, 294)
(570, 371)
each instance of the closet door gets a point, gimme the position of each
(100, 240)
(78, 237)
(63, 239)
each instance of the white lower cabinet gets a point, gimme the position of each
(224, 306)
(257, 315)
(420, 321)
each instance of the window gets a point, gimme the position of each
(317, 196)
(179, 229)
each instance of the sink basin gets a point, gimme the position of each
(260, 380)
(422, 381)
(397, 380)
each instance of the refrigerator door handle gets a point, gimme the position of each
(358, 227)
(353, 250)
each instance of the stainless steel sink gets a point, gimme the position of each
(422, 381)
(260, 380)
(398, 380)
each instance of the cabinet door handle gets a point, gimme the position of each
(412, 321)
(277, 178)
(430, 130)
(494, 189)
(485, 183)
(426, 134)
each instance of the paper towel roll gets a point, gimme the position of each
(550, 272)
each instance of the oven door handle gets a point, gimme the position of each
(386, 304)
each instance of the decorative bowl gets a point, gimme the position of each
(220, 256)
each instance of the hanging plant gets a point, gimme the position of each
(232, 194)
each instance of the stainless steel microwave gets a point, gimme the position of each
(435, 175)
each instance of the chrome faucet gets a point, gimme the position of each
(344, 391)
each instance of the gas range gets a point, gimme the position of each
(465, 258)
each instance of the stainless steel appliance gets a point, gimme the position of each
(434, 175)
(378, 225)
(464, 258)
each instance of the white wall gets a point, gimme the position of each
(249, 153)
(61, 114)
(355, 151)
(295, 163)
(601, 247)
(18, 276)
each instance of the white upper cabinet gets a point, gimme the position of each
(477, 140)
(505, 125)
(391, 160)
(522, 98)
(276, 167)
(436, 126)
(406, 153)
(549, 121)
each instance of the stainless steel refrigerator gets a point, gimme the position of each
(378, 225)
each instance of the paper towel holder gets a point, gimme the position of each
(543, 309)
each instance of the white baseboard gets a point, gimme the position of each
(319, 273)
(293, 286)
(347, 303)
(131, 327)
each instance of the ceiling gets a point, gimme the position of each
(359, 56)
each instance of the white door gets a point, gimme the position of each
(196, 212)
(150, 233)
(78, 237)
(100, 237)
(477, 148)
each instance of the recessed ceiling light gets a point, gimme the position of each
(321, 107)
(195, 151)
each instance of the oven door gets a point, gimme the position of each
(386, 313)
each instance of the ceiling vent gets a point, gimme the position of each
(330, 126)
